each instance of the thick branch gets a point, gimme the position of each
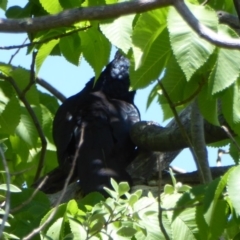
(69, 17)
(150, 136)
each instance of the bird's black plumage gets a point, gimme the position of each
(101, 115)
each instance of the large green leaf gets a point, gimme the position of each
(215, 210)
(70, 47)
(174, 81)
(96, 49)
(26, 130)
(43, 52)
(190, 50)
(52, 6)
(184, 225)
(155, 62)
(119, 32)
(10, 116)
(233, 188)
(227, 67)
(6, 93)
(148, 27)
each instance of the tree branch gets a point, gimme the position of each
(199, 145)
(153, 137)
(69, 17)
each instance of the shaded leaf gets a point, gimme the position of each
(70, 47)
(10, 116)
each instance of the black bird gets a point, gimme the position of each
(98, 119)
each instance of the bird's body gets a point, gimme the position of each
(96, 123)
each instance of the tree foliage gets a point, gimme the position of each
(162, 45)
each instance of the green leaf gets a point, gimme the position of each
(174, 82)
(5, 69)
(114, 184)
(126, 231)
(148, 27)
(54, 231)
(123, 188)
(234, 151)
(52, 6)
(22, 78)
(168, 189)
(10, 117)
(70, 47)
(26, 130)
(206, 102)
(119, 32)
(77, 230)
(14, 12)
(27, 217)
(230, 103)
(132, 199)
(215, 210)
(43, 52)
(184, 225)
(10, 236)
(57, 217)
(3, 4)
(6, 93)
(190, 50)
(72, 207)
(227, 67)
(155, 62)
(13, 188)
(96, 49)
(70, 3)
(233, 188)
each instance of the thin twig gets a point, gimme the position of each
(8, 194)
(23, 204)
(226, 130)
(43, 41)
(16, 52)
(177, 119)
(199, 145)
(51, 89)
(205, 2)
(37, 230)
(160, 211)
(32, 75)
(35, 122)
(192, 96)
